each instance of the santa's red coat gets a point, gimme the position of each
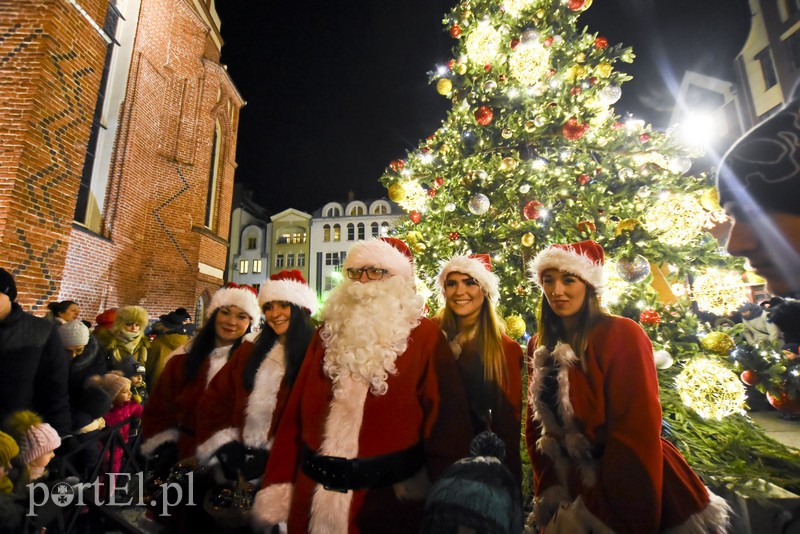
(630, 480)
(232, 413)
(425, 401)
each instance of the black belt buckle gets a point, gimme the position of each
(337, 473)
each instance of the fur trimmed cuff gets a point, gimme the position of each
(715, 517)
(206, 450)
(546, 504)
(151, 444)
(271, 505)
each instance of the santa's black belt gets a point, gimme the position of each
(342, 474)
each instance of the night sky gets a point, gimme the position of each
(336, 90)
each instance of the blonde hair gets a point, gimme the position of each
(551, 327)
(488, 337)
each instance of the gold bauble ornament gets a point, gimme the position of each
(528, 240)
(529, 126)
(444, 149)
(515, 326)
(508, 164)
(461, 68)
(444, 86)
(523, 290)
(413, 237)
(710, 199)
(397, 192)
(603, 70)
(506, 133)
(626, 225)
(515, 225)
(718, 343)
(420, 247)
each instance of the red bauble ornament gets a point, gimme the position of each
(643, 138)
(439, 181)
(397, 165)
(532, 210)
(455, 31)
(575, 91)
(431, 192)
(783, 403)
(574, 130)
(617, 125)
(583, 179)
(454, 236)
(484, 115)
(415, 217)
(750, 377)
(601, 43)
(487, 67)
(593, 81)
(548, 41)
(514, 44)
(502, 77)
(650, 317)
(576, 5)
(450, 63)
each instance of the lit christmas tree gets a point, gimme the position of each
(532, 153)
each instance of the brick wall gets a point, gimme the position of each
(156, 195)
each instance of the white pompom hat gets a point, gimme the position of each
(288, 286)
(479, 267)
(244, 297)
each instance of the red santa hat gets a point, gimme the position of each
(477, 266)
(583, 259)
(288, 286)
(244, 297)
(387, 253)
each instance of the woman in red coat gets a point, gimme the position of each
(489, 362)
(169, 420)
(594, 416)
(244, 402)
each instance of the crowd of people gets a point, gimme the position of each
(373, 417)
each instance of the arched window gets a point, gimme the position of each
(213, 177)
(379, 207)
(375, 229)
(361, 230)
(351, 232)
(337, 232)
(326, 233)
(384, 229)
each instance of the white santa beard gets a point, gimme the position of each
(366, 329)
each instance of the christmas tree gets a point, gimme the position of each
(532, 153)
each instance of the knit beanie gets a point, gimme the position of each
(477, 493)
(8, 449)
(111, 383)
(762, 167)
(7, 285)
(34, 437)
(74, 334)
(106, 319)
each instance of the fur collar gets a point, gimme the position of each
(263, 399)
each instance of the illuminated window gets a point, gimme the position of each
(243, 266)
(257, 265)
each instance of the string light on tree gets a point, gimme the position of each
(675, 219)
(719, 291)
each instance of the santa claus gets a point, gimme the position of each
(377, 411)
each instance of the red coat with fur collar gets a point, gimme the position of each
(600, 453)
(425, 401)
(231, 413)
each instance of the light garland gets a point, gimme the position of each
(675, 220)
(515, 7)
(529, 62)
(710, 389)
(483, 44)
(415, 198)
(720, 292)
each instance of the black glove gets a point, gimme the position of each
(164, 457)
(231, 458)
(255, 462)
(786, 316)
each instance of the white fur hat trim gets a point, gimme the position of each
(565, 260)
(487, 280)
(291, 291)
(377, 253)
(236, 296)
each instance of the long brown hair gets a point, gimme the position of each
(551, 327)
(488, 337)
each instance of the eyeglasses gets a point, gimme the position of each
(373, 273)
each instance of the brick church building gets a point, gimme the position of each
(118, 129)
